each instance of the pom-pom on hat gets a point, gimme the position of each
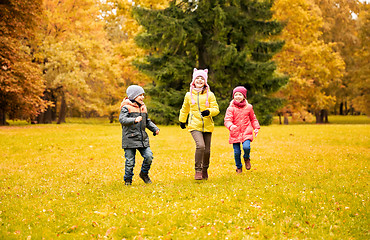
(133, 91)
(204, 75)
(240, 89)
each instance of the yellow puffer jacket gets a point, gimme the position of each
(196, 121)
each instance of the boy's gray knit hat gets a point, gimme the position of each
(133, 91)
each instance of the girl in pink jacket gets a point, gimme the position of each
(241, 122)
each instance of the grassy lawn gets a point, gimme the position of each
(333, 119)
(65, 182)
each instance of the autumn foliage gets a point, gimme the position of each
(312, 64)
(21, 82)
(63, 58)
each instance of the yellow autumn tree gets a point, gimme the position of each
(78, 62)
(123, 29)
(361, 71)
(339, 27)
(312, 65)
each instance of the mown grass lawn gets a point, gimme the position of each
(65, 182)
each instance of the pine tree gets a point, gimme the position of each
(229, 37)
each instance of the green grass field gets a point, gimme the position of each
(65, 182)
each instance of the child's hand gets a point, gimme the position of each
(205, 113)
(255, 132)
(156, 133)
(138, 119)
(233, 127)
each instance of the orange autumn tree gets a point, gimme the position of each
(21, 84)
(311, 63)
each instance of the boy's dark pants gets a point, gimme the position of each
(203, 149)
(130, 153)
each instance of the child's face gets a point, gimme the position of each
(199, 82)
(238, 97)
(140, 98)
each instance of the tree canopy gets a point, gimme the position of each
(339, 30)
(313, 65)
(230, 38)
(63, 58)
(21, 83)
(79, 64)
(361, 74)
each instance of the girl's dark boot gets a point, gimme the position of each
(198, 176)
(205, 174)
(247, 163)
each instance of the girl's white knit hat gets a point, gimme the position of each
(204, 75)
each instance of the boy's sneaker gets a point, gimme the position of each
(239, 170)
(145, 177)
(128, 183)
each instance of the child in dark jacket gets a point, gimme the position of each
(134, 119)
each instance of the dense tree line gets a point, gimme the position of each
(322, 56)
(76, 58)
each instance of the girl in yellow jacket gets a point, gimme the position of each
(199, 107)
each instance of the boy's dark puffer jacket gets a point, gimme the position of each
(133, 134)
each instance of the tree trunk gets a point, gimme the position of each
(279, 118)
(202, 58)
(341, 109)
(39, 118)
(2, 117)
(322, 116)
(286, 120)
(63, 110)
(111, 117)
(318, 117)
(54, 109)
(46, 116)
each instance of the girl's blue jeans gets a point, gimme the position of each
(237, 152)
(130, 153)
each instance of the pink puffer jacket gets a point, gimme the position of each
(241, 122)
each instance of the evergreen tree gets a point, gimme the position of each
(229, 37)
